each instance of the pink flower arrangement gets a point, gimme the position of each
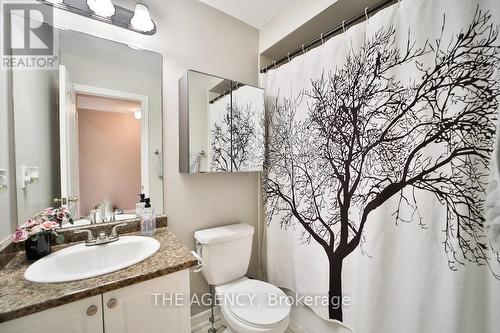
(48, 220)
(20, 236)
(49, 225)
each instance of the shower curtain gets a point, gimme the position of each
(379, 157)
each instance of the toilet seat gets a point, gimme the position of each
(264, 309)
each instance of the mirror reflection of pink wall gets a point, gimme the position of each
(109, 158)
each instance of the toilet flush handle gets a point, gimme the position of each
(199, 267)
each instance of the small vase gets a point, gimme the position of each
(36, 249)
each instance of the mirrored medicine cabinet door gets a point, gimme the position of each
(221, 125)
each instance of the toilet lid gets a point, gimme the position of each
(257, 303)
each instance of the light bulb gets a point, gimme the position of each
(138, 115)
(142, 20)
(104, 8)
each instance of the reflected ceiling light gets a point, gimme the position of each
(142, 20)
(55, 1)
(138, 115)
(103, 8)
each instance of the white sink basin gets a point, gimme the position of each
(81, 262)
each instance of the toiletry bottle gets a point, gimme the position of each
(108, 210)
(148, 220)
(99, 215)
(94, 216)
(140, 205)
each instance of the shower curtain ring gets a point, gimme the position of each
(343, 25)
(275, 67)
(366, 13)
(303, 50)
(288, 56)
(322, 40)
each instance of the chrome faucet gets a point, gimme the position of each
(101, 238)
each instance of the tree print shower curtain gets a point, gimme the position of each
(379, 158)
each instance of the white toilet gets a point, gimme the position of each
(248, 306)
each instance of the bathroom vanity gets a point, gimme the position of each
(128, 309)
(140, 298)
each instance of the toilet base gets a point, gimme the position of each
(240, 327)
(234, 324)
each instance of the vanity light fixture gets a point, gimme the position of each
(142, 20)
(104, 8)
(104, 11)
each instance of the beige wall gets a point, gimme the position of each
(193, 35)
(109, 158)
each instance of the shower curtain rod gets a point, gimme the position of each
(321, 39)
(225, 93)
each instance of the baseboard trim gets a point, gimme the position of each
(200, 321)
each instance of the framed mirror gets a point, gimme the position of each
(88, 134)
(221, 126)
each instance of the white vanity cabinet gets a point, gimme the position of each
(83, 316)
(146, 307)
(149, 307)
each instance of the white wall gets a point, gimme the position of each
(292, 17)
(193, 35)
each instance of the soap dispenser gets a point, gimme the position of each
(148, 219)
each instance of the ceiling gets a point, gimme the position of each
(253, 12)
(97, 103)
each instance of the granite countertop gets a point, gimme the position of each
(20, 297)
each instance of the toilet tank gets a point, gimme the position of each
(225, 252)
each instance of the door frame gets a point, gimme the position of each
(124, 95)
(65, 154)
